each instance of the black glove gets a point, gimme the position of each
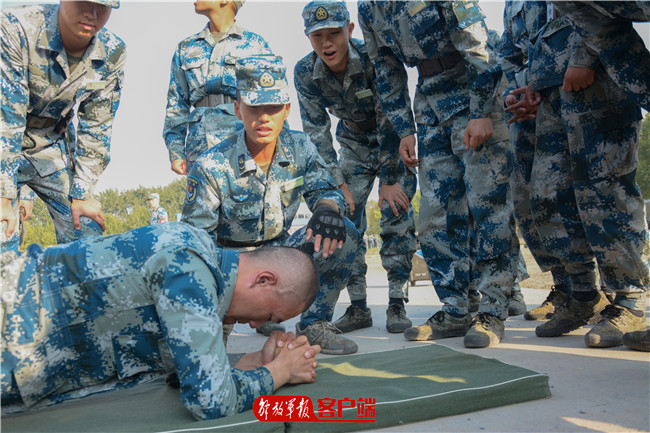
(328, 223)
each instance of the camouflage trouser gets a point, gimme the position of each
(606, 28)
(333, 270)
(522, 137)
(54, 190)
(585, 201)
(459, 186)
(397, 232)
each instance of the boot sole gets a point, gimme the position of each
(434, 336)
(397, 329)
(560, 330)
(355, 327)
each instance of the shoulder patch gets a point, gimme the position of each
(192, 190)
(467, 12)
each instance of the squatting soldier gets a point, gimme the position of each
(158, 213)
(338, 76)
(202, 84)
(522, 20)
(245, 192)
(56, 58)
(107, 313)
(464, 154)
(585, 201)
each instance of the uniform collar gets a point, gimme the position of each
(235, 31)
(228, 266)
(246, 163)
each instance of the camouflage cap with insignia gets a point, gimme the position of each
(323, 14)
(110, 3)
(261, 80)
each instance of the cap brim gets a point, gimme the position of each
(325, 25)
(265, 97)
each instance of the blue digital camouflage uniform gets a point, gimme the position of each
(108, 312)
(522, 20)
(230, 196)
(200, 67)
(454, 182)
(37, 92)
(584, 198)
(606, 28)
(369, 149)
(158, 216)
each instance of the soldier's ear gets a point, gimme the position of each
(237, 110)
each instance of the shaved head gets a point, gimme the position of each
(296, 269)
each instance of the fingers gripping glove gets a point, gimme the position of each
(328, 223)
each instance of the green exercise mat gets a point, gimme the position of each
(408, 385)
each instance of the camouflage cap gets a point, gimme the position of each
(238, 4)
(154, 195)
(110, 3)
(323, 14)
(261, 80)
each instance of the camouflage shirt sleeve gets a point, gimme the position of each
(94, 130)
(189, 316)
(319, 184)
(392, 79)
(202, 200)
(315, 119)
(483, 72)
(178, 108)
(14, 99)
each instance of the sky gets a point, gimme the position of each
(152, 30)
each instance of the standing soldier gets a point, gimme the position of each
(56, 58)
(245, 192)
(464, 154)
(522, 20)
(338, 76)
(587, 206)
(158, 213)
(202, 83)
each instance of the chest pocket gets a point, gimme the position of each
(228, 78)
(292, 191)
(426, 27)
(242, 206)
(195, 70)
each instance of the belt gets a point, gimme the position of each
(229, 243)
(365, 125)
(214, 100)
(435, 66)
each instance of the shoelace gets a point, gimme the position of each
(438, 317)
(397, 311)
(611, 311)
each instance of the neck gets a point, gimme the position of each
(73, 44)
(262, 154)
(221, 22)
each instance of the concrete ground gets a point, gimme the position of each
(593, 390)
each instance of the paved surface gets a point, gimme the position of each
(593, 390)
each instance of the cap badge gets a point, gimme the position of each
(321, 14)
(267, 80)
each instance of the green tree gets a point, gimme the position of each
(123, 211)
(643, 171)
